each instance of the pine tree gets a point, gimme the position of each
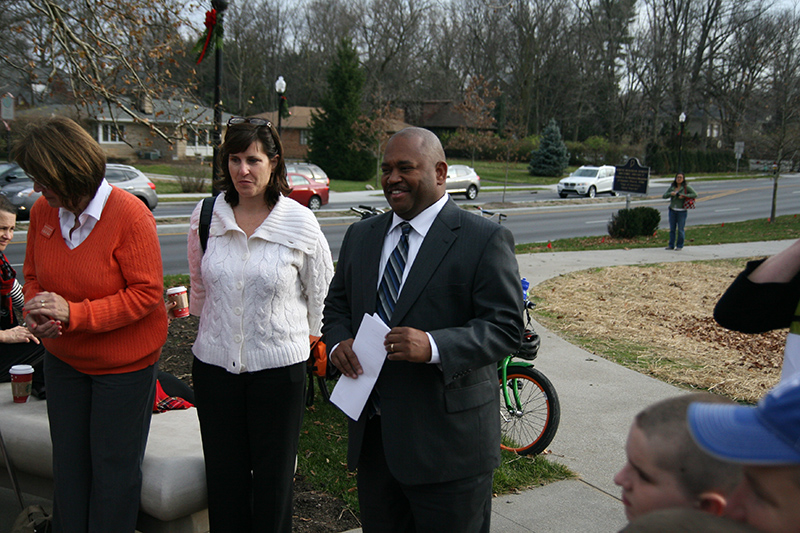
(551, 158)
(332, 133)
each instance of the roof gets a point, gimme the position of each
(167, 112)
(301, 119)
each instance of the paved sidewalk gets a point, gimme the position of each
(598, 401)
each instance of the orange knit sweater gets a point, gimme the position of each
(113, 282)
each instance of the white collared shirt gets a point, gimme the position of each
(88, 219)
(420, 225)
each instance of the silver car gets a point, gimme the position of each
(309, 170)
(462, 179)
(19, 187)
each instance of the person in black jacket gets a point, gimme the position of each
(765, 296)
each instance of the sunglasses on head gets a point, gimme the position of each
(246, 120)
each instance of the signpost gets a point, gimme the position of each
(738, 147)
(631, 178)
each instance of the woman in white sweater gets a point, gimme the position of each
(259, 290)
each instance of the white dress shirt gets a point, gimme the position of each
(88, 219)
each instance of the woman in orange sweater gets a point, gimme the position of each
(94, 295)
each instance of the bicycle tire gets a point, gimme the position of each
(533, 424)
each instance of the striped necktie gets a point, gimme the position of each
(389, 288)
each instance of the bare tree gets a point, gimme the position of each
(373, 132)
(394, 38)
(782, 130)
(738, 73)
(476, 109)
(114, 52)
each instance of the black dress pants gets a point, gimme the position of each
(250, 425)
(99, 426)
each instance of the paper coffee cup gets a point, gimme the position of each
(181, 299)
(21, 379)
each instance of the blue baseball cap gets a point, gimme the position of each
(767, 434)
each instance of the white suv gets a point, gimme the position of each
(588, 181)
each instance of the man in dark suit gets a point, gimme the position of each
(428, 441)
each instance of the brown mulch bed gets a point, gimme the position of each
(661, 316)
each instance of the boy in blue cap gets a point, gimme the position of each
(765, 440)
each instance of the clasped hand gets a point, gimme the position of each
(401, 344)
(46, 312)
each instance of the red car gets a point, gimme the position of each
(309, 193)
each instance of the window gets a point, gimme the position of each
(304, 137)
(112, 134)
(296, 180)
(199, 138)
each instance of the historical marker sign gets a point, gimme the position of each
(632, 177)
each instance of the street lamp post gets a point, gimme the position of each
(682, 120)
(280, 88)
(216, 136)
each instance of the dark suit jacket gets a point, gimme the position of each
(443, 424)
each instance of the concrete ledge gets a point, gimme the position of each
(174, 496)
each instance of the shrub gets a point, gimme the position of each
(192, 178)
(629, 223)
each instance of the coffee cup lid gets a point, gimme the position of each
(176, 290)
(21, 369)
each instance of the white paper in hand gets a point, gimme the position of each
(351, 395)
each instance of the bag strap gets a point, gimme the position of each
(205, 221)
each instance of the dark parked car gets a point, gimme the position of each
(307, 192)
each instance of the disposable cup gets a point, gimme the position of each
(21, 378)
(181, 299)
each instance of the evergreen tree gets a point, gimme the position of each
(333, 139)
(551, 158)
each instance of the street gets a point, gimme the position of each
(719, 201)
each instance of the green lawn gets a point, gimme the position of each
(784, 227)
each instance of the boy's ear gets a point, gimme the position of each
(713, 502)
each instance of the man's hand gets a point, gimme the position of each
(344, 358)
(408, 344)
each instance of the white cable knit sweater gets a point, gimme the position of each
(258, 298)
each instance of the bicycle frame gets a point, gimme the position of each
(503, 366)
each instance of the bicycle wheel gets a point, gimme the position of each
(529, 424)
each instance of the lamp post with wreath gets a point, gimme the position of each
(212, 39)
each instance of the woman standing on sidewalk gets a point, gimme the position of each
(258, 288)
(94, 294)
(679, 191)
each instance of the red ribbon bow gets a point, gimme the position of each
(211, 22)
